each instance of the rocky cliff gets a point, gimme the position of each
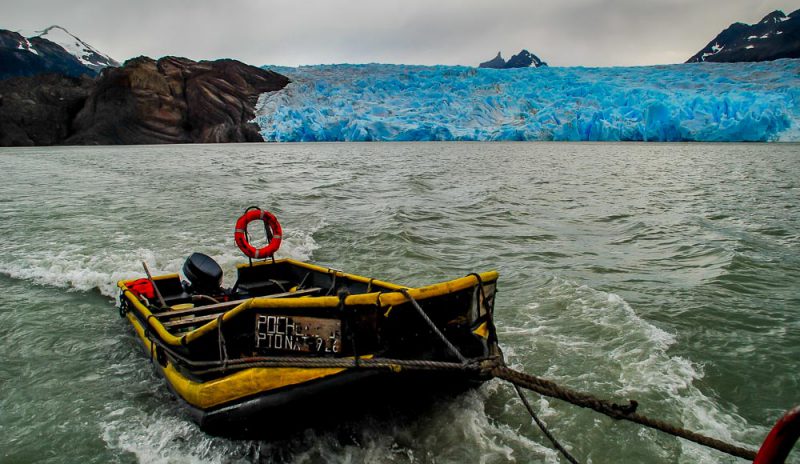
(174, 100)
(39, 110)
(171, 100)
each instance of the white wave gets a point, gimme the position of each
(595, 341)
(167, 440)
(78, 272)
(78, 269)
(164, 436)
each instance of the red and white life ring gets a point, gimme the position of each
(781, 439)
(240, 234)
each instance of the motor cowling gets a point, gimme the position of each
(203, 273)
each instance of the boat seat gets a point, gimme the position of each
(190, 321)
(262, 287)
(194, 316)
(256, 281)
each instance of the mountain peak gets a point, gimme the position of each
(772, 38)
(50, 50)
(776, 16)
(54, 26)
(523, 59)
(496, 63)
(82, 51)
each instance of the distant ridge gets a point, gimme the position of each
(495, 63)
(775, 36)
(523, 59)
(52, 50)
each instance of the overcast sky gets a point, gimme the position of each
(561, 32)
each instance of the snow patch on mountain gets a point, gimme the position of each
(25, 44)
(85, 53)
(763, 41)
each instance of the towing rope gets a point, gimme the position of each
(585, 400)
(486, 368)
(493, 367)
(433, 327)
(543, 427)
(613, 410)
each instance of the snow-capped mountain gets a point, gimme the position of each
(83, 52)
(53, 50)
(775, 36)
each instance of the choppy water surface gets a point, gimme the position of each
(666, 273)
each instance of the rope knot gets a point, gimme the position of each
(625, 409)
(487, 366)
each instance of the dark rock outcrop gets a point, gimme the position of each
(775, 36)
(174, 100)
(20, 56)
(523, 59)
(39, 110)
(495, 63)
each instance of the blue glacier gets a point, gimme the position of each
(683, 102)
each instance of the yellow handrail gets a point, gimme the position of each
(374, 298)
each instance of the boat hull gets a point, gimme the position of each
(328, 403)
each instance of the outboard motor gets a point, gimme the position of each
(204, 274)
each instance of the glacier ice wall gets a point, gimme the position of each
(684, 102)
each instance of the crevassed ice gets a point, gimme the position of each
(685, 102)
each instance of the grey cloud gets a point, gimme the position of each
(565, 33)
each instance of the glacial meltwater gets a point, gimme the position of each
(665, 273)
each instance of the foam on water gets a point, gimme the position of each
(630, 358)
(72, 268)
(167, 437)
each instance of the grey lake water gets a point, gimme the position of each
(666, 273)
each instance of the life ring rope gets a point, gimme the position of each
(271, 226)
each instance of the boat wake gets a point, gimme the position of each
(595, 341)
(588, 339)
(78, 268)
(166, 437)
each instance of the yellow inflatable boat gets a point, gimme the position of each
(292, 344)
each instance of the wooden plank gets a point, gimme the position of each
(229, 304)
(190, 321)
(199, 309)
